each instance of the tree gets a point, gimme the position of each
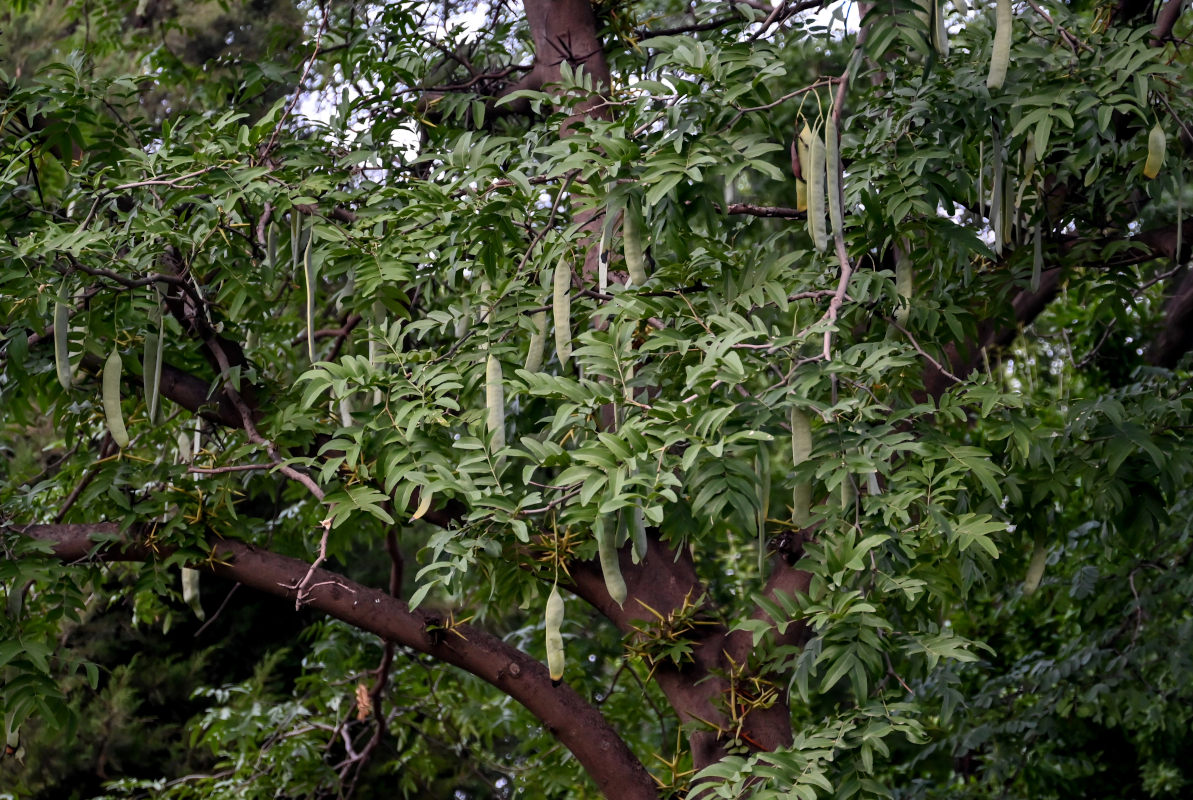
(869, 372)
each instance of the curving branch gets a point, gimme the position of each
(576, 723)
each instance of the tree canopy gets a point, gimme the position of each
(643, 399)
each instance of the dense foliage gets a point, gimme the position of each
(873, 492)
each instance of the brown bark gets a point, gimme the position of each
(577, 724)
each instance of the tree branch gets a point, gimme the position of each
(577, 724)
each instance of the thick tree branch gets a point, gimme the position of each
(577, 724)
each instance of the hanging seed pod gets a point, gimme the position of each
(816, 175)
(308, 270)
(610, 568)
(1000, 54)
(111, 399)
(554, 623)
(832, 149)
(538, 342)
(190, 591)
(495, 402)
(801, 451)
(151, 365)
(803, 155)
(62, 336)
(561, 307)
(638, 533)
(1035, 570)
(1156, 145)
(631, 232)
(904, 284)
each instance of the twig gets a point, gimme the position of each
(273, 138)
(922, 351)
(229, 468)
(218, 611)
(174, 182)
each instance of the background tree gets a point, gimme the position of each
(859, 455)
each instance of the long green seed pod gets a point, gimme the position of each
(832, 150)
(1000, 54)
(190, 591)
(1035, 570)
(610, 568)
(62, 336)
(308, 269)
(801, 451)
(111, 398)
(561, 307)
(295, 238)
(151, 367)
(538, 342)
(815, 175)
(631, 232)
(271, 248)
(554, 623)
(495, 401)
(904, 284)
(1157, 143)
(940, 34)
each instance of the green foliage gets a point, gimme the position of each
(357, 274)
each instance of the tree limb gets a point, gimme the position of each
(577, 724)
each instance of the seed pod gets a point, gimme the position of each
(801, 451)
(938, 31)
(553, 623)
(638, 533)
(1035, 570)
(1156, 145)
(111, 397)
(561, 307)
(904, 284)
(610, 568)
(816, 194)
(151, 369)
(308, 269)
(295, 238)
(424, 503)
(1000, 53)
(271, 248)
(803, 144)
(62, 336)
(538, 341)
(190, 591)
(631, 231)
(495, 401)
(832, 149)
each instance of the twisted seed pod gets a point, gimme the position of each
(816, 175)
(801, 451)
(561, 307)
(553, 623)
(111, 398)
(631, 231)
(610, 568)
(538, 341)
(62, 337)
(1157, 143)
(495, 402)
(1000, 54)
